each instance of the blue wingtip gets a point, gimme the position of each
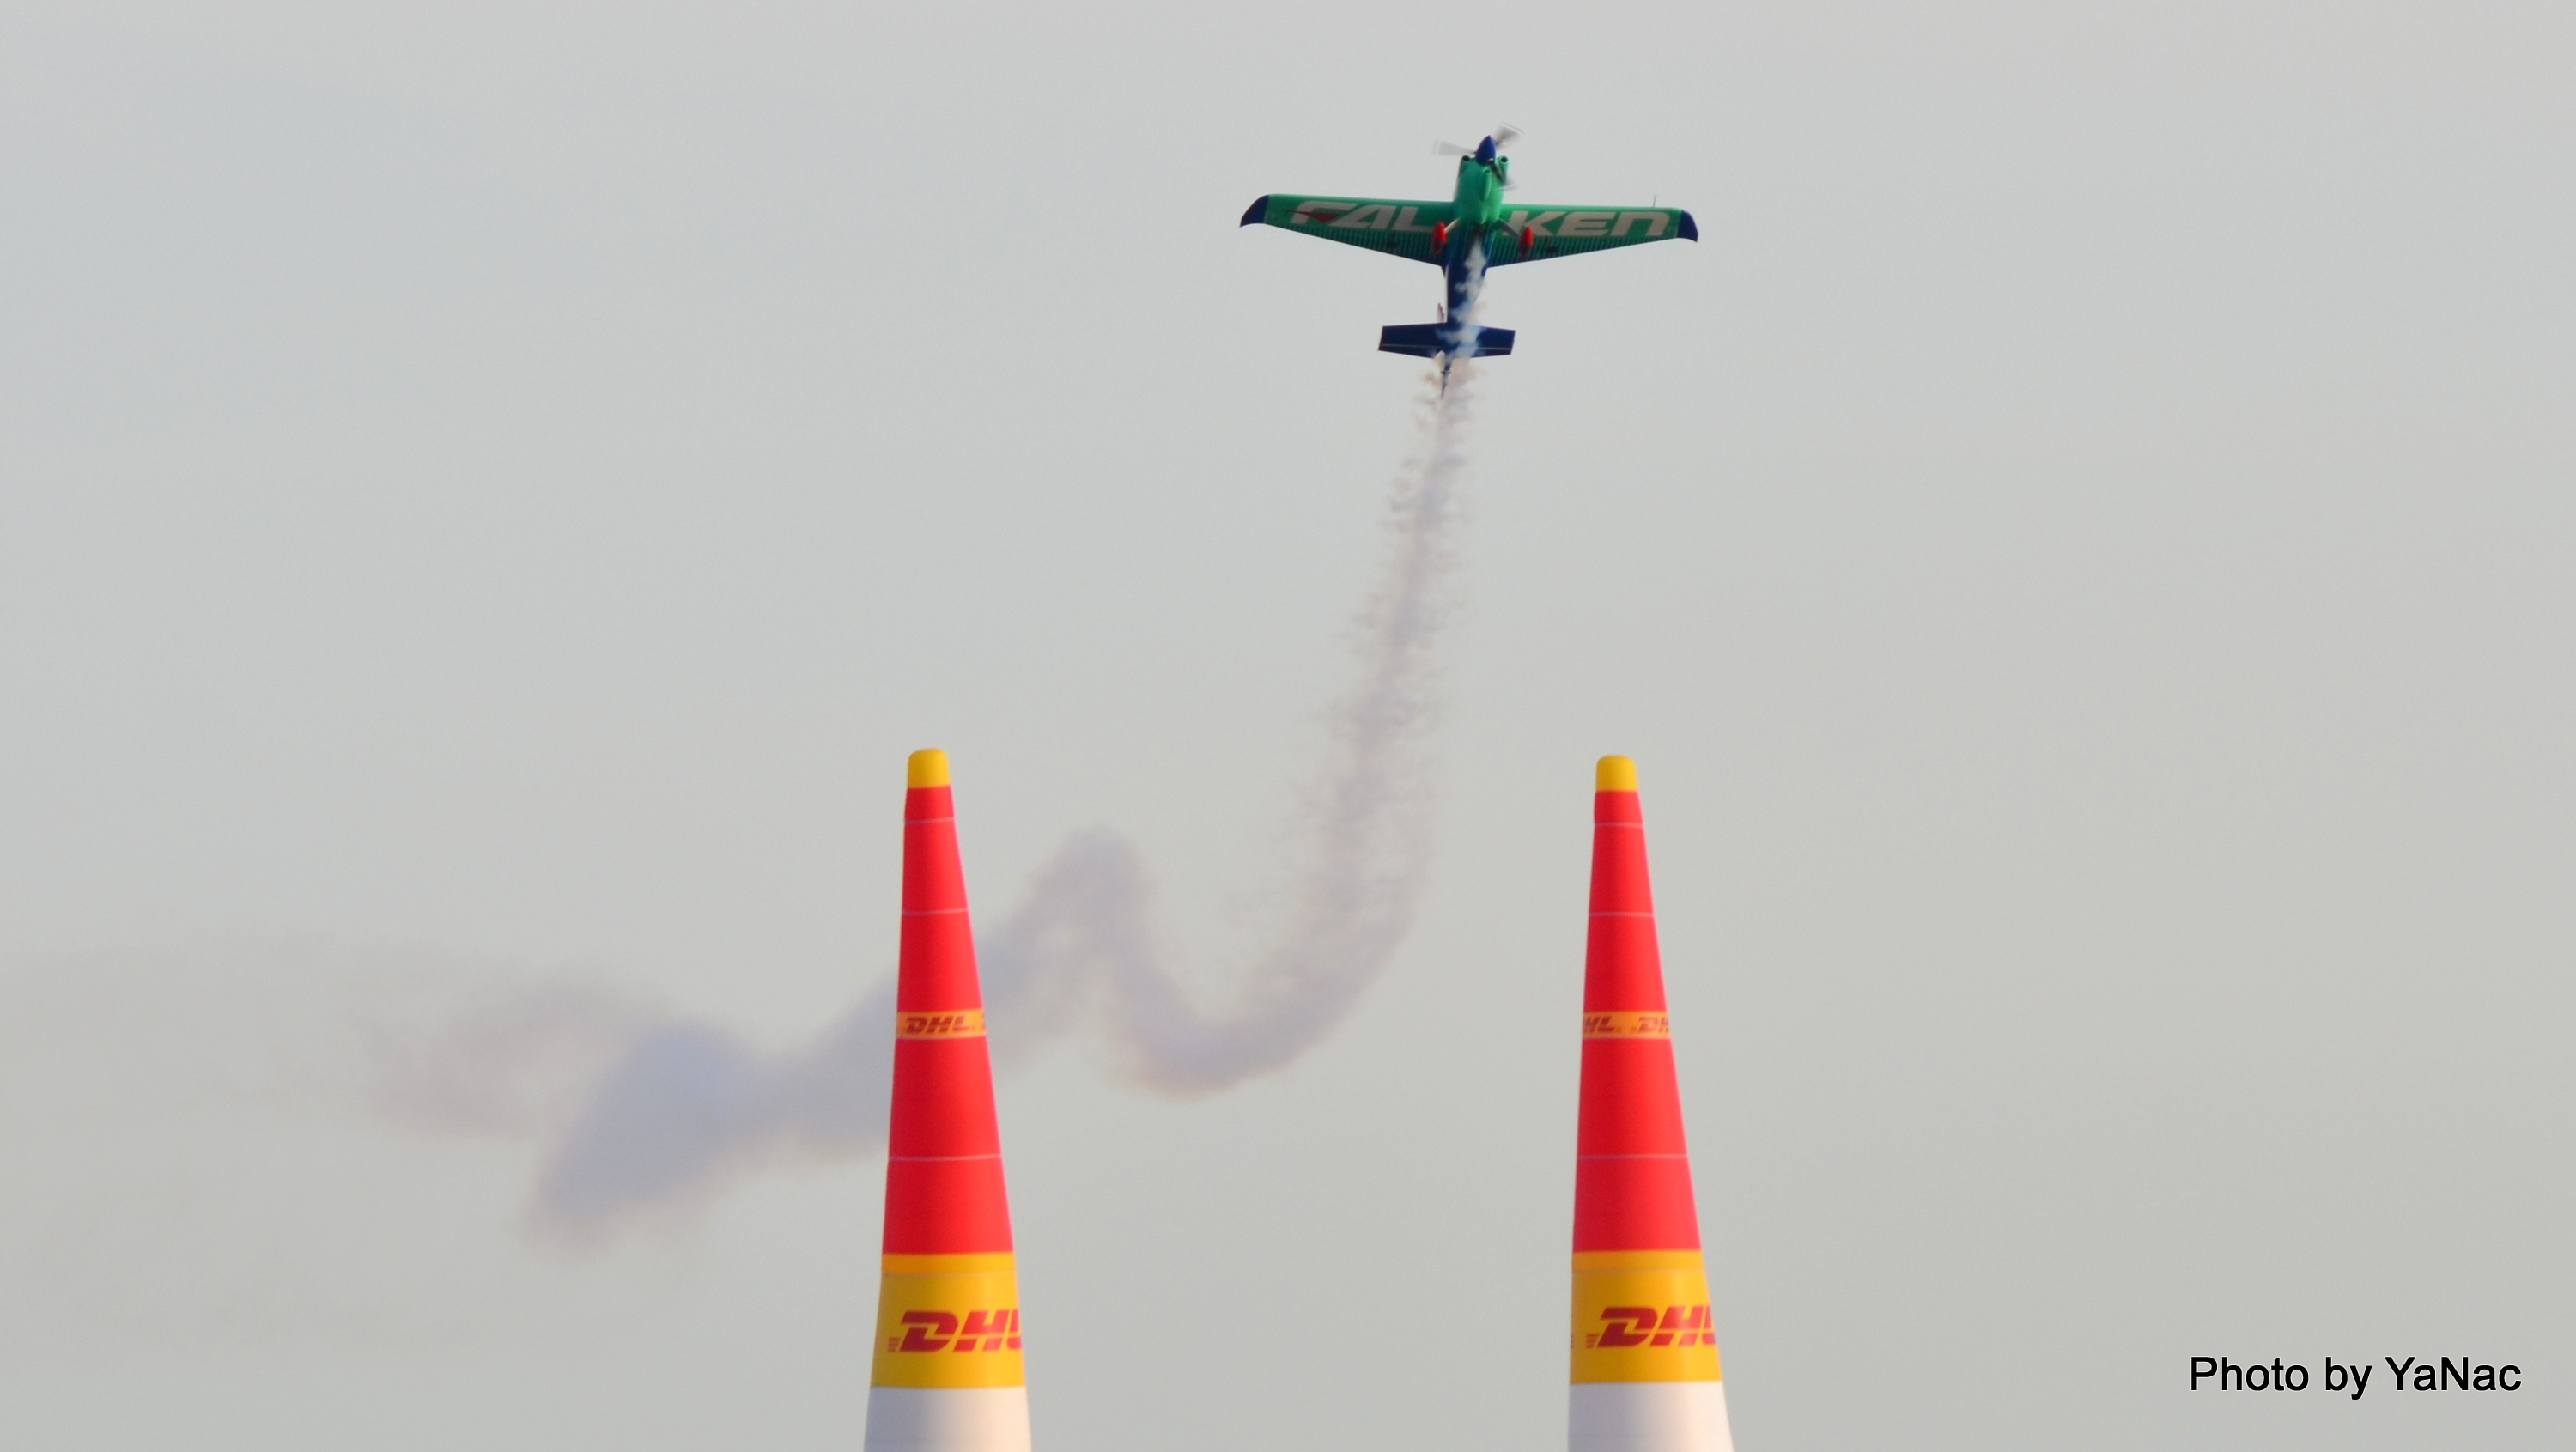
(1690, 229)
(1254, 212)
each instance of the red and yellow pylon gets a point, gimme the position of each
(1644, 1350)
(948, 1374)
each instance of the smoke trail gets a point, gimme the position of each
(688, 1104)
(1366, 856)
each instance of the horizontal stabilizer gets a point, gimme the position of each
(1430, 340)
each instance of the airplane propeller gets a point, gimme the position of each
(1503, 137)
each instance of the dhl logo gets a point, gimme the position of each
(962, 1023)
(942, 1331)
(1639, 1025)
(1644, 1326)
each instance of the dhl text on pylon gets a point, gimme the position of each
(947, 1374)
(1644, 1351)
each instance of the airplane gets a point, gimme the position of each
(1462, 237)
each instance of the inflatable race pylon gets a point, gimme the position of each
(1645, 1354)
(948, 1373)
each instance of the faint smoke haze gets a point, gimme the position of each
(686, 1104)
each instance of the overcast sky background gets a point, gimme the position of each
(489, 494)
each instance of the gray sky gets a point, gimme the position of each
(489, 495)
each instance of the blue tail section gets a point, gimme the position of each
(1430, 340)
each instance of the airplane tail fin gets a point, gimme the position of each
(1430, 340)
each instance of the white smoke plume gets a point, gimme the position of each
(686, 1104)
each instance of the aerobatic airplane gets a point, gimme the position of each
(1465, 235)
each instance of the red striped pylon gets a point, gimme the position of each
(1644, 1352)
(947, 1375)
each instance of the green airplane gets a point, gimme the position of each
(1464, 236)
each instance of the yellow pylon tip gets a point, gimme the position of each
(927, 769)
(1617, 774)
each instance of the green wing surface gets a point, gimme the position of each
(1379, 224)
(1403, 228)
(1566, 231)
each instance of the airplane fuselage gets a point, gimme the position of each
(1475, 210)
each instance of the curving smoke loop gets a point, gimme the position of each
(687, 1104)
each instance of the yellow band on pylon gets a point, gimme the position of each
(1615, 774)
(955, 1023)
(947, 1321)
(1626, 1260)
(931, 1265)
(926, 769)
(1638, 1321)
(1628, 1024)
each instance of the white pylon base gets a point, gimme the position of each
(961, 1419)
(1647, 1416)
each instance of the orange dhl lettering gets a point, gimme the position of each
(962, 1023)
(1642, 1326)
(1628, 1024)
(941, 1331)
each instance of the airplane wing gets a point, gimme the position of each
(1404, 227)
(1565, 231)
(1378, 224)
